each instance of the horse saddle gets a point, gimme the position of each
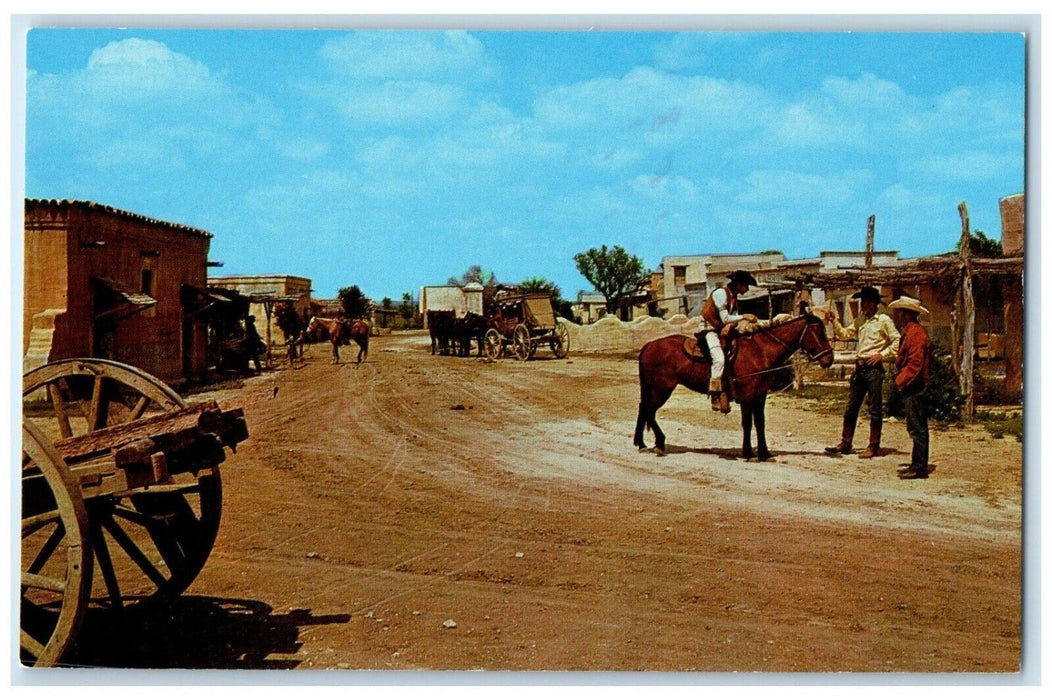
(699, 351)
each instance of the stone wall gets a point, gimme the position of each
(610, 335)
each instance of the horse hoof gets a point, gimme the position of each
(659, 452)
(763, 458)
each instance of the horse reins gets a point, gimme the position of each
(800, 346)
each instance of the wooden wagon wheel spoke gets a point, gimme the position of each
(55, 566)
(134, 552)
(43, 583)
(61, 413)
(47, 549)
(35, 522)
(31, 646)
(98, 410)
(105, 565)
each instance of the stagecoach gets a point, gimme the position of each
(121, 494)
(523, 323)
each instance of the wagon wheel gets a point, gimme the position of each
(145, 544)
(521, 342)
(560, 342)
(56, 557)
(493, 344)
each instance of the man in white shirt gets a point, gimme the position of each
(877, 341)
(720, 311)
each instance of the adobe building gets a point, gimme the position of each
(450, 297)
(102, 282)
(263, 291)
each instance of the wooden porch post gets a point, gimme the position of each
(870, 231)
(968, 309)
(268, 307)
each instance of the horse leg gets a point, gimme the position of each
(656, 400)
(746, 408)
(650, 401)
(762, 452)
(335, 352)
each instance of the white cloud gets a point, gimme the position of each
(674, 186)
(773, 187)
(615, 158)
(645, 98)
(140, 69)
(970, 166)
(407, 55)
(405, 103)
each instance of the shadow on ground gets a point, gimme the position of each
(193, 632)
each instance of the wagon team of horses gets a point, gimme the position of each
(514, 325)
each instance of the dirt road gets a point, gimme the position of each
(441, 513)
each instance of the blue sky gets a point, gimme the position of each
(393, 159)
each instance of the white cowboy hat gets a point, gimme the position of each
(907, 304)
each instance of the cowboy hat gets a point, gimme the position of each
(742, 276)
(867, 294)
(907, 304)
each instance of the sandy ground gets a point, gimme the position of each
(443, 513)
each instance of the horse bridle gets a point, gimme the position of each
(812, 358)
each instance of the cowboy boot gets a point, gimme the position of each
(873, 449)
(725, 402)
(844, 446)
(715, 392)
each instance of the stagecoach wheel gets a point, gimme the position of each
(522, 343)
(145, 544)
(493, 344)
(56, 556)
(560, 342)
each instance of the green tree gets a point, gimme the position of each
(475, 273)
(354, 303)
(613, 273)
(982, 247)
(406, 307)
(539, 284)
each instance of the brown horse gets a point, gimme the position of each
(342, 332)
(664, 364)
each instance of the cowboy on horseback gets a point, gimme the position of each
(720, 313)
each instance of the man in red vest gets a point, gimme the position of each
(719, 313)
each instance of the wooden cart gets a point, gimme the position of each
(523, 323)
(121, 494)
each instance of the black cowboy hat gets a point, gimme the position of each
(743, 277)
(867, 294)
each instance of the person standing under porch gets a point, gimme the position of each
(720, 312)
(877, 341)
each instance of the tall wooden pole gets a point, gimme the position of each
(968, 309)
(870, 230)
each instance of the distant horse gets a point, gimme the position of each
(664, 364)
(442, 325)
(471, 327)
(341, 332)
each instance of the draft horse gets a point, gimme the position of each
(341, 332)
(664, 364)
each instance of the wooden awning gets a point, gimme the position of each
(116, 300)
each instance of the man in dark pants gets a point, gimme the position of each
(876, 340)
(914, 368)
